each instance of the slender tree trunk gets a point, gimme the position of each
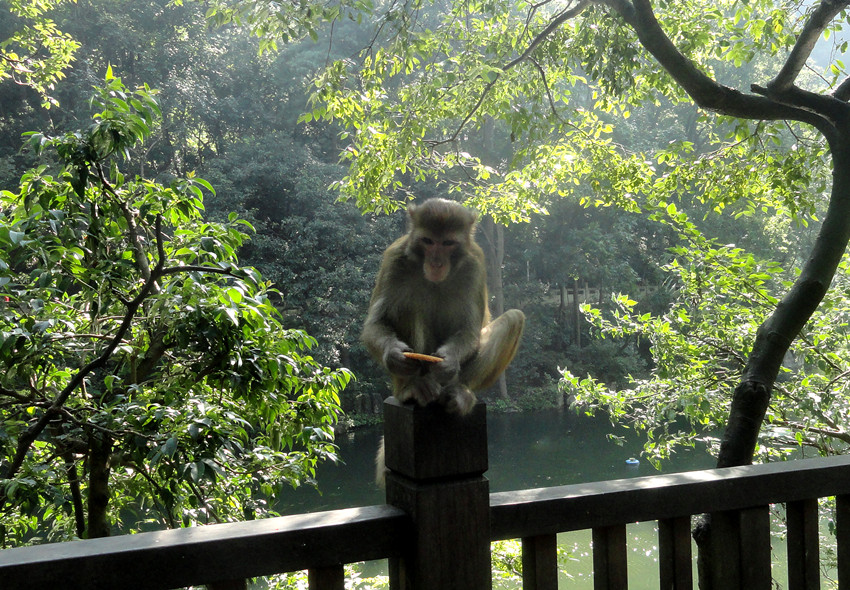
(495, 235)
(98, 492)
(576, 315)
(76, 493)
(779, 99)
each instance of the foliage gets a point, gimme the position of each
(354, 580)
(37, 53)
(128, 326)
(324, 255)
(413, 99)
(722, 293)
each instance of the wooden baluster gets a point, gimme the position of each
(842, 537)
(755, 548)
(674, 554)
(803, 549)
(720, 555)
(540, 563)
(326, 578)
(609, 558)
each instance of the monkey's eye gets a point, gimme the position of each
(450, 243)
(428, 241)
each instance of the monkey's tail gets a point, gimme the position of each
(498, 345)
(380, 466)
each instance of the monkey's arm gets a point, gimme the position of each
(383, 343)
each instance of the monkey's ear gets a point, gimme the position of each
(412, 213)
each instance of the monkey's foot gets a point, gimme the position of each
(457, 399)
(422, 390)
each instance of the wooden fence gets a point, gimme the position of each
(440, 518)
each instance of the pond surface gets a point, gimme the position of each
(527, 450)
(531, 450)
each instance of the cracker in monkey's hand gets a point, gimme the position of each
(423, 357)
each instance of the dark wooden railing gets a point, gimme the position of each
(440, 518)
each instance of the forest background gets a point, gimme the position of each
(681, 284)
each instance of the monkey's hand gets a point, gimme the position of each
(447, 371)
(398, 364)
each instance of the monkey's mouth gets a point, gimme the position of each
(436, 273)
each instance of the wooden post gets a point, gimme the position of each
(436, 463)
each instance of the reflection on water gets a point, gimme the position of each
(527, 450)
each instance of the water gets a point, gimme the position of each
(527, 450)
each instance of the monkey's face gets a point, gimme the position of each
(437, 252)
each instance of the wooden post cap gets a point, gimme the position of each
(425, 443)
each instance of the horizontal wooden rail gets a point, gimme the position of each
(544, 511)
(197, 555)
(323, 541)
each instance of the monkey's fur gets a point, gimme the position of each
(431, 297)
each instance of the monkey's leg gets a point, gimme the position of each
(497, 347)
(457, 398)
(423, 389)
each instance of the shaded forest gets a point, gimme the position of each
(232, 116)
(646, 239)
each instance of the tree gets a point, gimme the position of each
(37, 52)
(144, 368)
(430, 78)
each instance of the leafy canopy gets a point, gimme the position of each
(37, 52)
(125, 317)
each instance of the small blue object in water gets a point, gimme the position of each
(632, 461)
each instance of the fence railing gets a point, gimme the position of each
(440, 519)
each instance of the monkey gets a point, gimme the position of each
(430, 297)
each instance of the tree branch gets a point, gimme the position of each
(843, 91)
(136, 245)
(706, 92)
(837, 434)
(827, 106)
(812, 30)
(556, 22)
(33, 432)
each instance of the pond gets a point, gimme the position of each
(526, 450)
(530, 450)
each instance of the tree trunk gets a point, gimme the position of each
(495, 234)
(780, 99)
(99, 452)
(576, 315)
(76, 493)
